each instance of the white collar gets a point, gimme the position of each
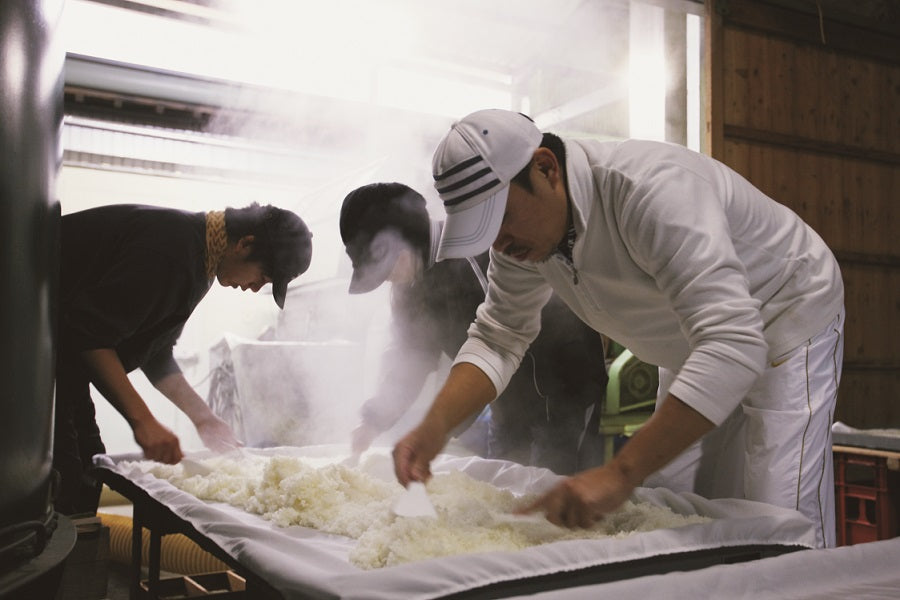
(437, 228)
(580, 183)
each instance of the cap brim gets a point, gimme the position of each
(471, 231)
(369, 275)
(279, 292)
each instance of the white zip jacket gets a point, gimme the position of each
(678, 258)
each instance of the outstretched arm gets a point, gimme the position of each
(214, 432)
(407, 365)
(466, 392)
(110, 378)
(582, 499)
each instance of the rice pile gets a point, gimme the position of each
(473, 516)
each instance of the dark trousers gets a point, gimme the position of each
(76, 440)
(542, 427)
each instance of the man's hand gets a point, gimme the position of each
(216, 434)
(465, 392)
(213, 431)
(583, 499)
(108, 375)
(157, 442)
(413, 454)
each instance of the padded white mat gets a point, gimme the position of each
(306, 563)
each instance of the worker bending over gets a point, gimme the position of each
(684, 262)
(541, 418)
(130, 276)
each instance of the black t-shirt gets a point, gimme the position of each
(130, 276)
(432, 317)
(434, 313)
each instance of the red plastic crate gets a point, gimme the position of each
(867, 493)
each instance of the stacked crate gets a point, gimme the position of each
(867, 494)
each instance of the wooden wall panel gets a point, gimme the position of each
(809, 111)
(872, 294)
(868, 399)
(853, 204)
(789, 88)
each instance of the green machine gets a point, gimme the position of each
(630, 397)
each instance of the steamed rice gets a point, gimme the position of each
(337, 499)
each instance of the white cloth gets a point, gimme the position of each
(776, 446)
(304, 563)
(862, 572)
(678, 258)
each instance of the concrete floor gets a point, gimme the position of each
(81, 569)
(117, 585)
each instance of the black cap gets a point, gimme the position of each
(291, 246)
(377, 221)
(374, 259)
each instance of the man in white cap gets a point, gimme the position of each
(685, 263)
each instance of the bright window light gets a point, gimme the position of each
(694, 108)
(647, 72)
(283, 47)
(407, 89)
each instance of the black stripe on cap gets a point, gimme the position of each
(464, 197)
(464, 182)
(457, 168)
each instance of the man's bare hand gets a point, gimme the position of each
(413, 454)
(217, 435)
(583, 499)
(465, 393)
(157, 441)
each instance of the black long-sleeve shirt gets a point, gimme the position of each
(431, 317)
(130, 276)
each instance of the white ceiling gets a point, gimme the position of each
(335, 85)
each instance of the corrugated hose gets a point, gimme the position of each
(178, 553)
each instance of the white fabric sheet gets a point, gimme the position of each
(861, 572)
(306, 563)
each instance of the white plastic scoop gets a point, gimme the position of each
(523, 519)
(194, 467)
(414, 502)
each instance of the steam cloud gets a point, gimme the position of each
(341, 94)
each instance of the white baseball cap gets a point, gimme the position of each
(472, 168)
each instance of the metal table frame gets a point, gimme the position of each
(159, 520)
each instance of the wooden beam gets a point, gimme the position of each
(870, 366)
(819, 29)
(714, 78)
(866, 259)
(807, 145)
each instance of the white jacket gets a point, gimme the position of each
(678, 258)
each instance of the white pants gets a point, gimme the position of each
(776, 446)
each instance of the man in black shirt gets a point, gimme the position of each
(540, 418)
(130, 276)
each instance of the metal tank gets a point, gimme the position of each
(31, 96)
